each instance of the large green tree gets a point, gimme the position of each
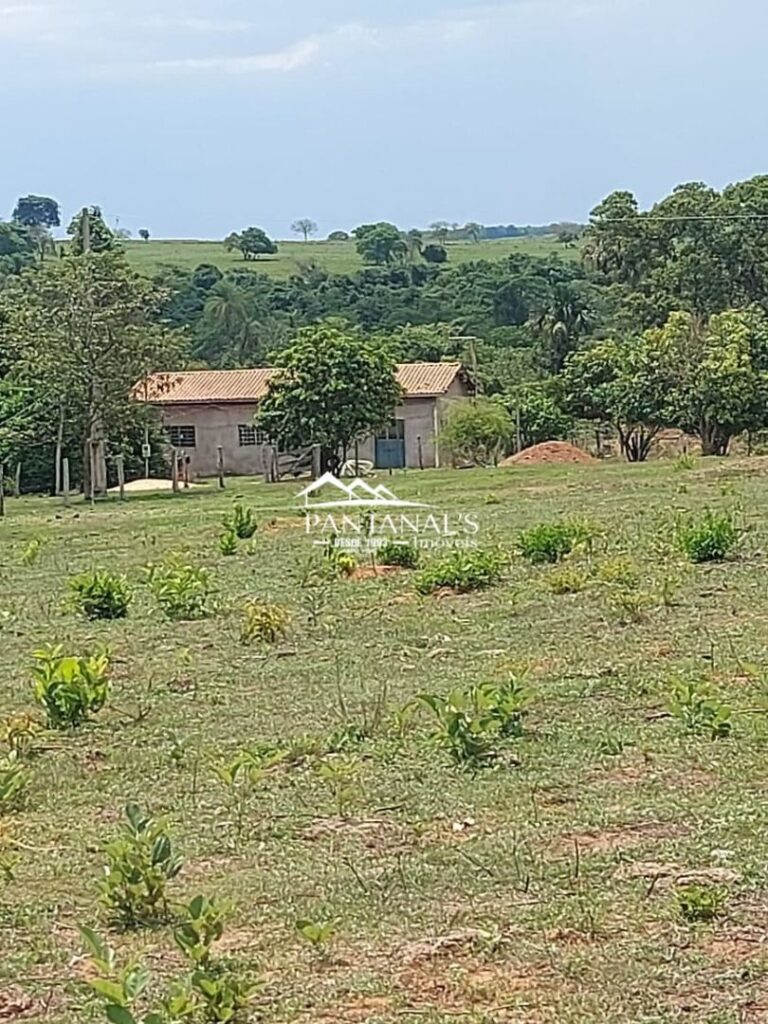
(252, 243)
(79, 333)
(477, 431)
(333, 387)
(380, 243)
(100, 238)
(37, 211)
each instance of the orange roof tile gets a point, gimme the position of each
(418, 380)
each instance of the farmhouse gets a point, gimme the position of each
(203, 410)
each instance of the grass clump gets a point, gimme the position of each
(403, 554)
(14, 779)
(551, 542)
(101, 595)
(700, 902)
(708, 538)
(70, 689)
(182, 590)
(264, 622)
(462, 571)
(568, 580)
(696, 705)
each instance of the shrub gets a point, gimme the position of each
(71, 689)
(263, 622)
(622, 571)
(140, 865)
(203, 925)
(471, 722)
(183, 591)
(696, 705)
(568, 580)
(242, 522)
(228, 543)
(403, 554)
(700, 902)
(101, 595)
(550, 542)
(462, 571)
(708, 538)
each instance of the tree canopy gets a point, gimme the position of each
(37, 211)
(252, 243)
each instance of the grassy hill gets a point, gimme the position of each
(338, 257)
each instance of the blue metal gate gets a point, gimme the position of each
(390, 446)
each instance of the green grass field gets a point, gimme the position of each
(337, 257)
(543, 888)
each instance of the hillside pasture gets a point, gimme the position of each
(567, 880)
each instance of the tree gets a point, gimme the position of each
(435, 253)
(473, 231)
(81, 332)
(229, 331)
(338, 236)
(476, 431)
(414, 241)
(440, 229)
(252, 243)
(718, 374)
(17, 250)
(333, 387)
(565, 316)
(621, 383)
(379, 243)
(144, 234)
(304, 226)
(536, 407)
(37, 211)
(101, 239)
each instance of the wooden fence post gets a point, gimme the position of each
(65, 479)
(421, 452)
(120, 463)
(17, 481)
(2, 489)
(175, 471)
(220, 464)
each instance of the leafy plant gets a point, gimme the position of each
(31, 551)
(403, 554)
(695, 704)
(228, 543)
(700, 902)
(242, 775)
(263, 622)
(221, 995)
(471, 722)
(318, 933)
(630, 606)
(338, 562)
(101, 595)
(462, 571)
(141, 863)
(203, 925)
(19, 732)
(618, 571)
(184, 591)
(551, 542)
(242, 522)
(685, 462)
(14, 779)
(71, 689)
(708, 538)
(119, 987)
(341, 774)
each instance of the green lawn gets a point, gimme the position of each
(337, 257)
(541, 889)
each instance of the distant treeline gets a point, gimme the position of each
(530, 230)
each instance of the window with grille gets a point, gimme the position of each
(182, 437)
(248, 435)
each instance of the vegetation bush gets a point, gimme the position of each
(698, 707)
(476, 431)
(569, 579)
(709, 538)
(403, 554)
(264, 622)
(470, 723)
(101, 595)
(551, 542)
(14, 780)
(700, 902)
(462, 571)
(140, 864)
(70, 689)
(228, 543)
(242, 522)
(184, 591)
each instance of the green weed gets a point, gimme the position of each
(264, 622)
(70, 689)
(696, 705)
(182, 590)
(242, 522)
(700, 902)
(228, 543)
(709, 538)
(101, 595)
(403, 554)
(551, 542)
(462, 571)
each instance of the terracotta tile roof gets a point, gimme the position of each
(418, 380)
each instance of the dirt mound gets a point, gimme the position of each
(549, 451)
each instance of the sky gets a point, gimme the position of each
(195, 118)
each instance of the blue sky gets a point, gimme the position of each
(195, 118)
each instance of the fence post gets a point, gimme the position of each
(175, 471)
(17, 481)
(120, 463)
(421, 452)
(65, 479)
(2, 489)
(220, 464)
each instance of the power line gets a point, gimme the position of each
(682, 217)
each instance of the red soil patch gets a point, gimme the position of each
(619, 837)
(370, 572)
(549, 452)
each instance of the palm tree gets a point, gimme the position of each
(234, 333)
(565, 317)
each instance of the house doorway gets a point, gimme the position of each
(390, 446)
